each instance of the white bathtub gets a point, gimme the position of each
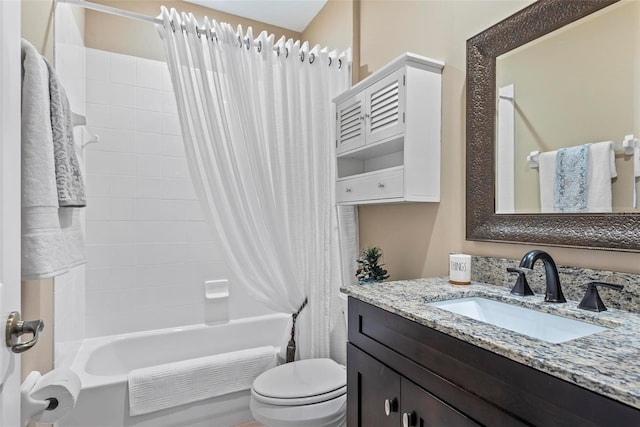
(103, 364)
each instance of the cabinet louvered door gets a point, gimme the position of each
(350, 123)
(385, 115)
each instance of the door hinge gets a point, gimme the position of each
(403, 118)
(336, 115)
(404, 80)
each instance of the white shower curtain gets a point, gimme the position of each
(258, 135)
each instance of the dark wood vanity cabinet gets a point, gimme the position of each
(398, 366)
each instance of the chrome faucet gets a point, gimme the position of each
(554, 291)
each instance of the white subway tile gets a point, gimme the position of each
(103, 302)
(172, 145)
(149, 165)
(149, 99)
(167, 85)
(97, 92)
(122, 118)
(97, 162)
(150, 232)
(183, 210)
(150, 188)
(97, 65)
(149, 73)
(128, 303)
(104, 279)
(150, 209)
(123, 186)
(178, 189)
(97, 232)
(97, 185)
(123, 164)
(122, 95)
(148, 143)
(157, 275)
(97, 209)
(98, 116)
(175, 167)
(170, 124)
(169, 103)
(148, 121)
(122, 69)
(114, 140)
(122, 232)
(123, 209)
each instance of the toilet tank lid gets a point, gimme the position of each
(303, 378)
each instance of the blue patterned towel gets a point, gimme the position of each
(571, 187)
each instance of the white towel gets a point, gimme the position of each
(174, 384)
(602, 167)
(52, 239)
(547, 174)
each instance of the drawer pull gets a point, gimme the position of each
(409, 419)
(380, 185)
(390, 405)
(348, 190)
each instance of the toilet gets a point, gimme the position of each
(304, 393)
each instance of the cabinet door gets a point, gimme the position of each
(421, 408)
(350, 123)
(384, 100)
(373, 392)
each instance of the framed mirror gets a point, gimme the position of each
(484, 222)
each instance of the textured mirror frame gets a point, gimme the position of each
(612, 231)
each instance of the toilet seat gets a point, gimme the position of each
(304, 382)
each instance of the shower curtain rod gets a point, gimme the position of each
(112, 10)
(145, 18)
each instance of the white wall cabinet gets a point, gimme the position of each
(388, 135)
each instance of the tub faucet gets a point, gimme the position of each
(554, 291)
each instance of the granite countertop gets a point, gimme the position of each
(607, 362)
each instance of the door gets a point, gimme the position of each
(384, 104)
(421, 408)
(350, 123)
(373, 391)
(9, 203)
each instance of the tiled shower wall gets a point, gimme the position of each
(149, 249)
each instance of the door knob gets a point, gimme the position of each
(390, 405)
(409, 419)
(17, 327)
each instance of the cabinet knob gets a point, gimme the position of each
(380, 185)
(348, 190)
(409, 419)
(390, 405)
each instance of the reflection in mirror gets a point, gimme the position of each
(577, 85)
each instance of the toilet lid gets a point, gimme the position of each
(308, 381)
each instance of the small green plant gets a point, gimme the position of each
(368, 268)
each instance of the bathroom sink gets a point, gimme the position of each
(536, 324)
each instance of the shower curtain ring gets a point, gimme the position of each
(278, 50)
(301, 56)
(330, 61)
(287, 52)
(339, 64)
(259, 46)
(173, 27)
(198, 32)
(240, 41)
(312, 58)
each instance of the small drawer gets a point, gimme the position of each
(372, 186)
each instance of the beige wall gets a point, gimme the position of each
(37, 25)
(123, 35)
(572, 88)
(417, 238)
